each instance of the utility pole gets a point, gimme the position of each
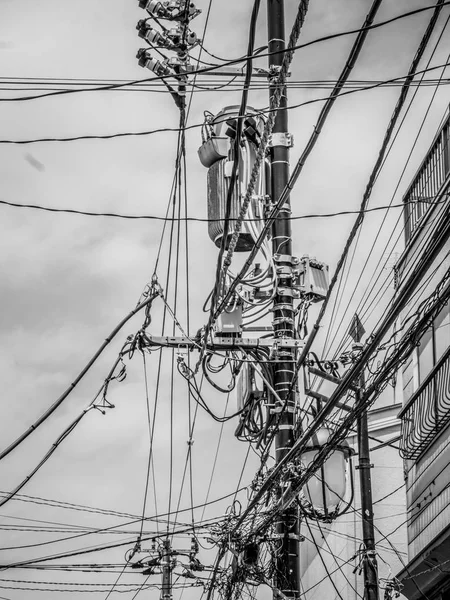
(166, 566)
(370, 567)
(287, 577)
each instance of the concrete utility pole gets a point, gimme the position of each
(370, 567)
(287, 577)
(166, 567)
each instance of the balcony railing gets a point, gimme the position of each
(428, 411)
(428, 183)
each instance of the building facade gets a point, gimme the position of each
(331, 553)
(425, 382)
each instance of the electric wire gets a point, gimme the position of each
(432, 304)
(318, 550)
(337, 91)
(199, 125)
(146, 303)
(277, 84)
(168, 219)
(220, 270)
(361, 304)
(151, 432)
(231, 62)
(368, 190)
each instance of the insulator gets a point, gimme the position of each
(147, 61)
(170, 9)
(153, 7)
(152, 36)
(179, 37)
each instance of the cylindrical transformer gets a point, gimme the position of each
(216, 152)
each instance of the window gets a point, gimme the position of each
(432, 347)
(426, 354)
(442, 331)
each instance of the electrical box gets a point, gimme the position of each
(213, 150)
(313, 279)
(229, 322)
(249, 386)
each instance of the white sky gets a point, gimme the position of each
(68, 280)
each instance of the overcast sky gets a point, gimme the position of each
(67, 280)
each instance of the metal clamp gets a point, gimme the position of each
(280, 307)
(281, 139)
(290, 536)
(279, 320)
(294, 260)
(285, 270)
(282, 291)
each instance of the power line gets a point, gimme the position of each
(363, 302)
(146, 303)
(229, 86)
(230, 62)
(374, 173)
(198, 125)
(187, 219)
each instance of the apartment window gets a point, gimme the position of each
(434, 342)
(442, 331)
(432, 347)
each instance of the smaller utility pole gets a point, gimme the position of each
(166, 566)
(370, 567)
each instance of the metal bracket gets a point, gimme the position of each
(285, 270)
(281, 139)
(282, 291)
(294, 260)
(278, 409)
(279, 320)
(291, 536)
(288, 307)
(274, 71)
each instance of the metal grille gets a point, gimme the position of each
(428, 411)
(428, 183)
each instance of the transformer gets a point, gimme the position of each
(216, 153)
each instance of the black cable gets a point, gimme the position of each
(429, 308)
(68, 505)
(100, 547)
(234, 61)
(231, 87)
(217, 291)
(369, 187)
(331, 579)
(167, 219)
(361, 304)
(151, 432)
(324, 113)
(77, 379)
(199, 125)
(177, 259)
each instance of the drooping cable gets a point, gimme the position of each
(367, 193)
(318, 550)
(221, 266)
(354, 53)
(145, 304)
(199, 125)
(359, 308)
(231, 62)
